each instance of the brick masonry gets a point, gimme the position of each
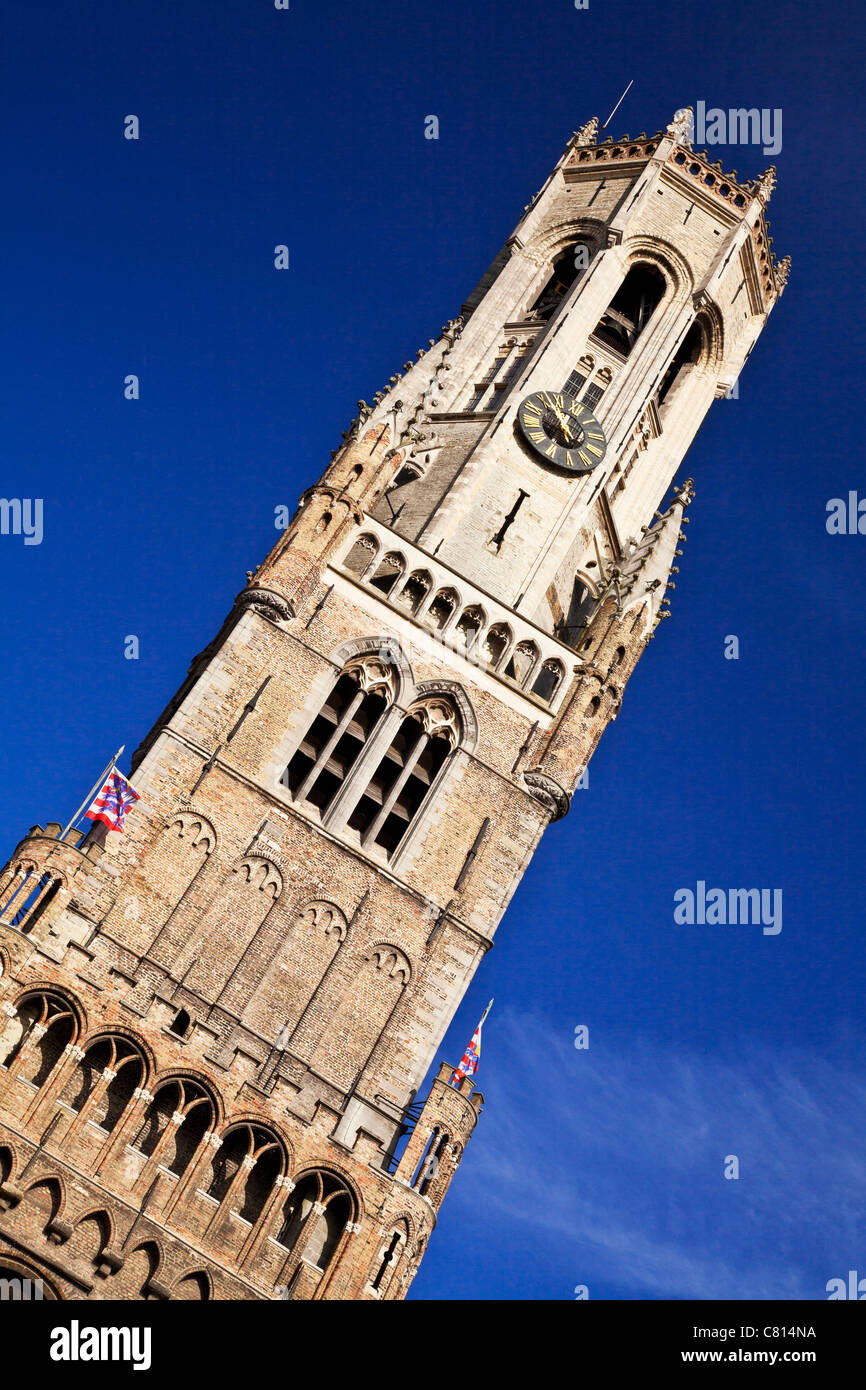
(215, 1025)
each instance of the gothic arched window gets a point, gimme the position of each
(414, 591)
(469, 625)
(631, 308)
(245, 1169)
(31, 895)
(335, 739)
(441, 610)
(35, 1039)
(548, 680)
(315, 1217)
(388, 572)
(361, 556)
(175, 1123)
(688, 353)
(104, 1081)
(522, 663)
(568, 264)
(496, 643)
(615, 661)
(405, 775)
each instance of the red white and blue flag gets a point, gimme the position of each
(468, 1064)
(113, 800)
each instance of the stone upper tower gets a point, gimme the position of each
(215, 1025)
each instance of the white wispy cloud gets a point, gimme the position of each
(611, 1161)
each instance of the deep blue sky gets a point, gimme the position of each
(305, 127)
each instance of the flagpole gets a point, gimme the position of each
(90, 795)
(477, 1034)
(618, 105)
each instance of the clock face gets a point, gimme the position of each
(562, 431)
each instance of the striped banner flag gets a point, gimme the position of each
(112, 801)
(468, 1064)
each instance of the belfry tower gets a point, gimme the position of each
(214, 1026)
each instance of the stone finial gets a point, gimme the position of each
(587, 134)
(783, 270)
(766, 183)
(682, 127)
(685, 495)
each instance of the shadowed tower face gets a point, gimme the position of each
(215, 1025)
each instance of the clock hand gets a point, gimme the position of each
(563, 423)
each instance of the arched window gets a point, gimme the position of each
(577, 379)
(89, 1238)
(496, 643)
(441, 609)
(688, 353)
(104, 1081)
(548, 680)
(37, 1036)
(139, 1268)
(468, 626)
(388, 572)
(428, 1168)
(563, 275)
(315, 1217)
(522, 662)
(631, 308)
(175, 1123)
(361, 556)
(331, 746)
(414, 591)
(399, 786)
(31, 910)
(32, 892)
(18, 876)
(580, 608)
(245, 1169)
(615, 660)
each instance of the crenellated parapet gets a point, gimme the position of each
(44, 878)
